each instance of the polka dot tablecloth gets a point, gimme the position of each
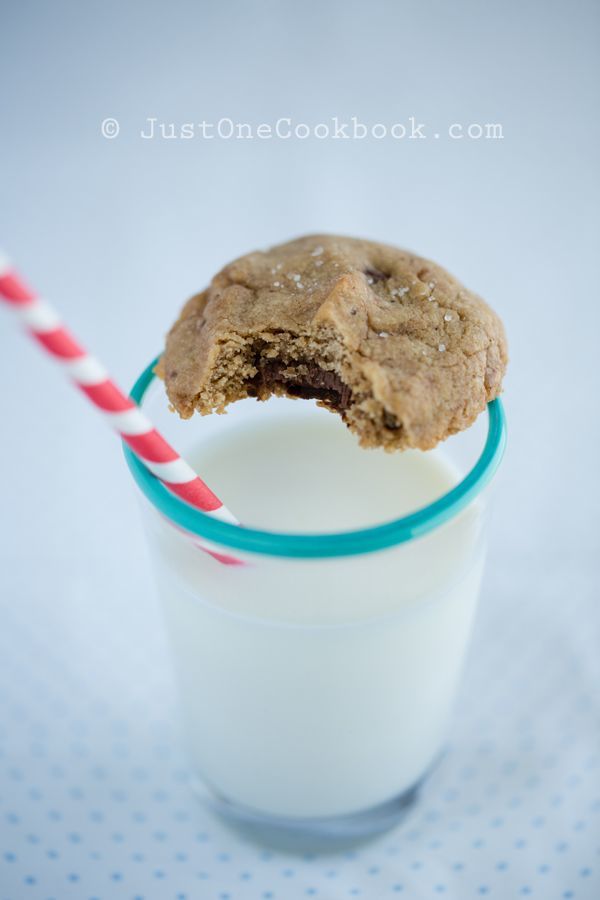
(95, 800)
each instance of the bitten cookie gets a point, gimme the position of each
(390, 341)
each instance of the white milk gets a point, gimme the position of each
(318, 688)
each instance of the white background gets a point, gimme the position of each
(119, 232)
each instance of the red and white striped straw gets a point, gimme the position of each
(122, 414)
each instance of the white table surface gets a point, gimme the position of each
(94, 794)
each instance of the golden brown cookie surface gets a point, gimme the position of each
(388, 339)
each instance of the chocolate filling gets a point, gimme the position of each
(312, 383)
(390, 421)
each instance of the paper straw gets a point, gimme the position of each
(122, 414)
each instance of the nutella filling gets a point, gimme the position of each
(302, 378)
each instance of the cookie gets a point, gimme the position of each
(388, 340)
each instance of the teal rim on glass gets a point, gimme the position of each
(320, 545)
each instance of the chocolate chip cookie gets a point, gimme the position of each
(390, 341)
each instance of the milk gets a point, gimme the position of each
(318, 687)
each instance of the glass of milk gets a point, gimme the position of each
(317, 680)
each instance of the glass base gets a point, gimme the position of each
(309, 835)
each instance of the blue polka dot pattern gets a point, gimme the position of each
(95, 801)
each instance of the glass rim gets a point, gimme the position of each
(319, 545)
